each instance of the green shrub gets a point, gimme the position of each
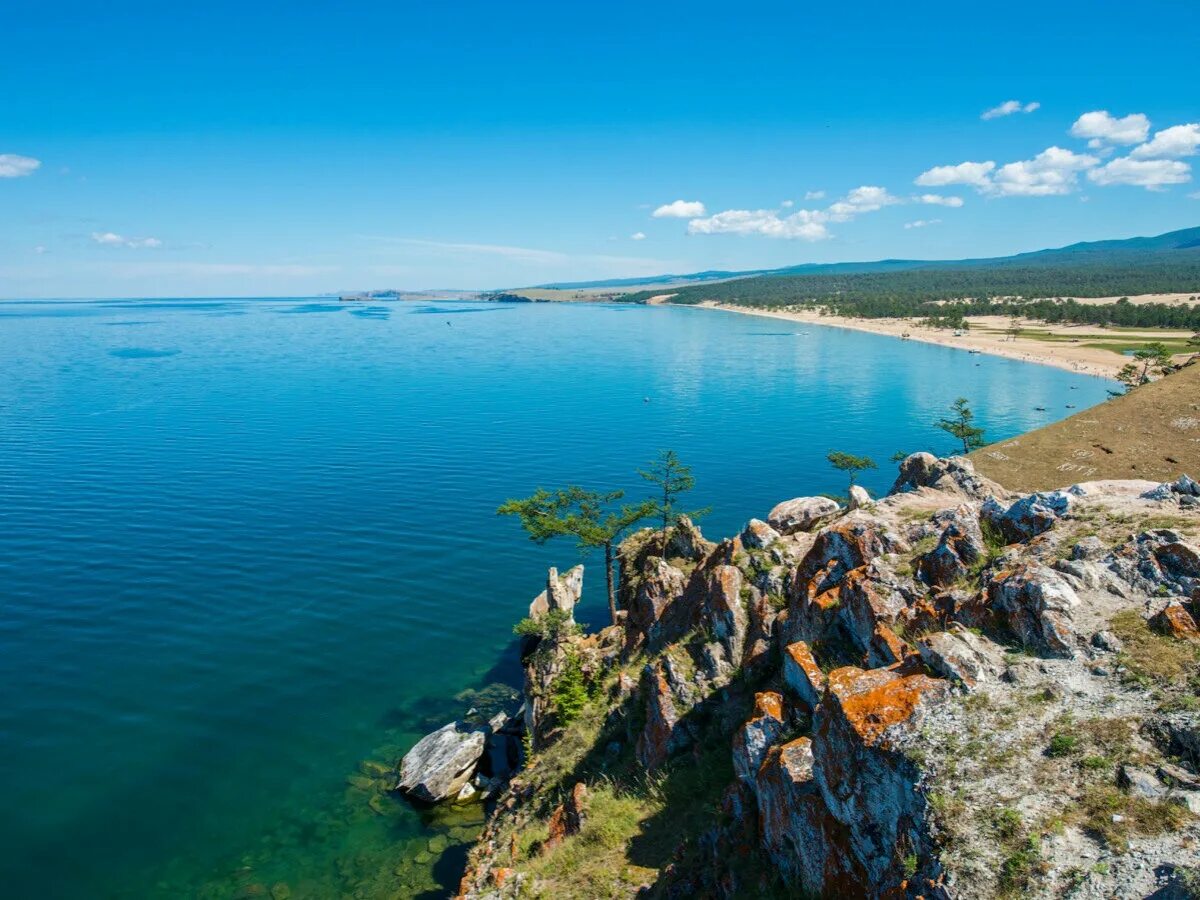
(1062, 744)
(555, 623)
(569, 693)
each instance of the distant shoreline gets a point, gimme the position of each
(1071, 357)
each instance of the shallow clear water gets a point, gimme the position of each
(246, 544)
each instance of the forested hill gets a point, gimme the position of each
(1168, 263)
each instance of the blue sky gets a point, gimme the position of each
(292, 148)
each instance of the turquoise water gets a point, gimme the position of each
(247, 544)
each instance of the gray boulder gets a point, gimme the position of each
(1036, 604)
(801, 513)
(1177, 734)
(955, 474)
(1027, 517)
(859, 498)
(1186, 485)
(442, 762)
(758, 535)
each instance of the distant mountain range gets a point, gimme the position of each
(1165, 250)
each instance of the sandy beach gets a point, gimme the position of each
(986, 335)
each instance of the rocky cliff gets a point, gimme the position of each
(951, 692)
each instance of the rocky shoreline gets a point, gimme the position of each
(953, 691)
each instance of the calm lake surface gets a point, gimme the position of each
(247, 544)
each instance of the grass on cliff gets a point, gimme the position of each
(634, 822)
(633, 825)
(595, 862)
(1153, 659)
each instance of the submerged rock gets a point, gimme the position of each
(442, 763)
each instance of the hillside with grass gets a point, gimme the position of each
(1152, 433)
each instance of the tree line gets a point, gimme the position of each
(974, 291)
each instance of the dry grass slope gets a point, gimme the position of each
(1153, 433)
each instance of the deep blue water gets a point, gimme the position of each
(245, 544)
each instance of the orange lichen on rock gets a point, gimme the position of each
(768, 703)
(874, 701)
(802, 674)
(1175, 621)
(752, 741)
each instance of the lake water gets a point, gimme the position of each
(247, 544)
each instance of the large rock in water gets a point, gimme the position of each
(441, 763)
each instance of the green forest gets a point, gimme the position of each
(979, 290)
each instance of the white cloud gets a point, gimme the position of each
(1194, 195)
(939, 200)
(637, 236)
(814, 195)
(804, 224)
(865, 199)
(680, 209)
(109, 239)
(14, 166)
(788, 204)
(1052, 172)
(1176, 141)
(1152, 174)
(1008, 107)
(972, 173)
(922, 223)
(1100, 128)
(39, 250)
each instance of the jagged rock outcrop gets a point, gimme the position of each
(803, 675)
(762, 729)
(960, 547)
(686, 542)
(865, 670)
(442, 763)
(953, 475)
(1036, 604)
(562, 593)
(568, 818)
(1027, 517)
